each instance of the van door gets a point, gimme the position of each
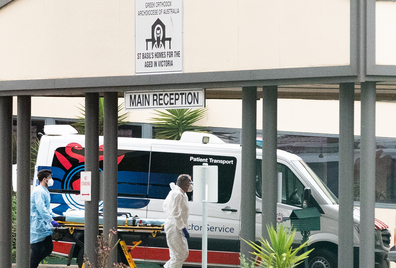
(223, 217)
(292, 193)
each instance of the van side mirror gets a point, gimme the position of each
(306, 202)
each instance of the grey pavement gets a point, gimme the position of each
(51, 266)
(139, 265)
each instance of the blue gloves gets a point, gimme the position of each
(55, 223)
(185, 232)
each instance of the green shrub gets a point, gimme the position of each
(278, 253)
(171, 123)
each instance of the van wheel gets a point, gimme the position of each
(323, 258)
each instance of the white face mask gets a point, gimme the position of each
(190, 188)
(50, 182)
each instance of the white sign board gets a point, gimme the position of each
(85, 186)
(14, 177)
(158, 36)
(205, 183)
(165, 99)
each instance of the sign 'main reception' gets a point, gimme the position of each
(165, 99)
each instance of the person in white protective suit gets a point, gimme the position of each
(176, 210)
(41, 219)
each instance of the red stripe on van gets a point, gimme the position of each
(195, 256)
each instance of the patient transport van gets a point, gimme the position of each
(147, 166)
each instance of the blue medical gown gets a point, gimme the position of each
(40, 214)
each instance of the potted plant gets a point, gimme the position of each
(276, 253)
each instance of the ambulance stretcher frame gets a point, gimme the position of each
(67, 229)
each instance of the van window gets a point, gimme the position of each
(69, 161)
(142, 175)
(133, 168)
(292, 188)
(166, 167)
(133, 173)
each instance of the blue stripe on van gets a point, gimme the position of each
(125, 202)
(56, 198)
(57, 175)
(132, 182)
(56, 172)
(159, 184)
(60, 209)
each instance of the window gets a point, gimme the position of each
(292, 188)
(166, 167)
(321, 153)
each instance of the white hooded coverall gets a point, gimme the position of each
(175, 207)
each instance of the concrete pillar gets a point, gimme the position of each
(110, 167)
(367, 175)
(346, 178)
(6, 181)
(269, 165)
(24, 177)
(248, 190)
(92, 164)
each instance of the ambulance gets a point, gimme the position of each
(147, 166)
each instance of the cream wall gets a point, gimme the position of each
(75, 38)
(385, 38)
(70, 38)
(255, 34)
(53, 107)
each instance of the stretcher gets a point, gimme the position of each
(67, 230)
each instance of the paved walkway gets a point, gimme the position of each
(140, 265)
(52, 266)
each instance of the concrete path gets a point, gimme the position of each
(139, 265)
(52, 266)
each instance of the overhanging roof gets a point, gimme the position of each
(218, 85)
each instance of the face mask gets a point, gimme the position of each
(50, 182)
(190, 188)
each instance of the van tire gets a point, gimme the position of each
(323, 258)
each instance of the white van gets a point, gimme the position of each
(147, 166)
